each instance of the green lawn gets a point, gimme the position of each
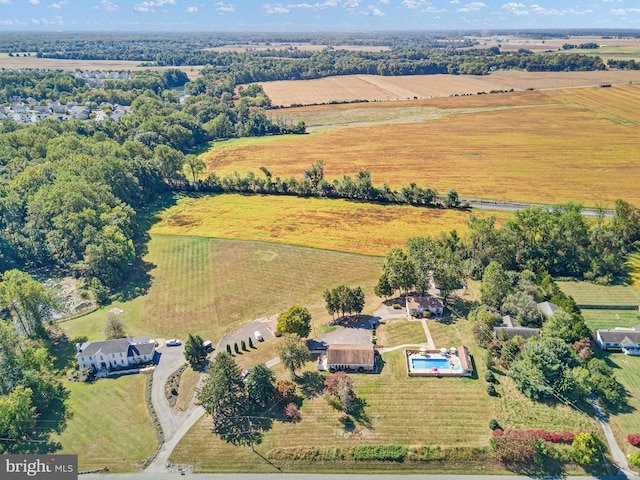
(588, 293)
(209, 287)
(605, 319)
(110, 426)
(400, 331)
(627, 371)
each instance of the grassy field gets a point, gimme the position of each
(481, 152)
(588, 293)
(399, 331)
(627, 371)
(409, 411)
(210, 287)
(320, 223)
(634, 267)
(111, 426)
(188, 381)
(605, 319)
(391, 406)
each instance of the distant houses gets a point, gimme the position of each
(509, 328)
(418, 305)
(625, 339)
(32, 111)
(121, 353)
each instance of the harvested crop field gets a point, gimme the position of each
(547, 153)
(320, 223)
(66, 64)
(375, 88)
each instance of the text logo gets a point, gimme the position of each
(46, 467)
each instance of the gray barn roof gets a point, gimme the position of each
(523, 332)
(116, 346)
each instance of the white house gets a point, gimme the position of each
(120, 352)
(625, 339)
(420, 304)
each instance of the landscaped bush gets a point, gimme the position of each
(634, 439)
(518, 448)
(490, 377)
(634, 459)
(396, 306)
(586, 449)
(493, 424)
(491, 390)
(383, 453)
(292, 412)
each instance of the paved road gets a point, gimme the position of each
(311, 476)
(514, 206)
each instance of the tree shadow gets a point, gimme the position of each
(62, 349)
(311, 384)
(358, 412)
(347, 423)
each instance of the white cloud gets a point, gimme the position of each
(383, 2)
(58, 5)
(376, 12)
(515, 8)
(151, 4)
(413, 4)
(624, 11)
(351, 4)
(5, 2)
(34, 2)
(222, 7)
(107, 6)
(472, 7)
(543, 11)
(192, 9)
(277, 9)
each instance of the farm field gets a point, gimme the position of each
(68, 64)
(302, 46)
(377, 88)
(320, 223)
(121, 437)
(495, 153)
(607, 319)
(210, 287)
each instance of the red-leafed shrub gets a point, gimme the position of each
(497, 432)
(556, 437)
(634, 439)
(567, 436)
(292, 412)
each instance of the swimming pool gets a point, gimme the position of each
(430, 363)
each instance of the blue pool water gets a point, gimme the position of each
(429, 363)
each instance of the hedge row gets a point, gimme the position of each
(382, 453)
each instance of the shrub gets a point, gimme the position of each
(291, 411)
(285, 391)
(235, 348)
(586, 449)
(493, 424)
(243, 345)
(251, 343)
(517, 447)
(396, 306)
(634, 459)
(490, 377)
(634, 439)
(498, 432)
(229, 349)
(174, 391)
(383, 453)
(491, 390)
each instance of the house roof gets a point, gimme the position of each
(547, 308)
(523, 332)
(465, 359)
(507, 321)
(618, 336)
(118, 345)
(425, 302)
(350, 355)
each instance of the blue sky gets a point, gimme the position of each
(310, 15)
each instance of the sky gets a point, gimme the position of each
(304, 16)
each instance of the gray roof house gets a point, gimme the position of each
(120, 352)
(354, 357)
(510, 328)
(625, 339)
(547, 308)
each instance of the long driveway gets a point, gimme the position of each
(618, 455)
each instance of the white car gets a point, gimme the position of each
(258, 336)
(173, 343)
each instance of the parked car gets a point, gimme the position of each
(258, 336)
(208, 345)
(246, 373)
(173, 343)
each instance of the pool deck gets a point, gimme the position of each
(460, 362)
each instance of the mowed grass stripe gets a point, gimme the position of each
(627, 371)
(121, 439)
(320, 223)
(211, 287)
(587, 293)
